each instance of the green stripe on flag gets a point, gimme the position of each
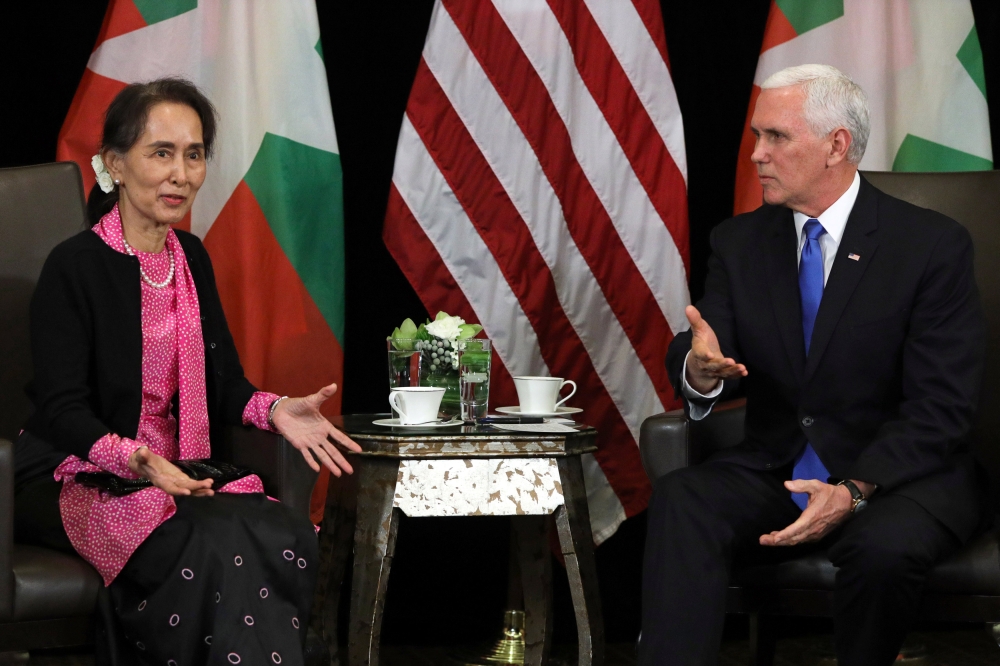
(971, 57)
(299, 188)
(154, 11)
(319, 49)
(916, 154)
(804, 15)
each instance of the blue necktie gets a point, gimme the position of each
(808, 465)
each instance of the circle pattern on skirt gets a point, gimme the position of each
(218, 597)
(187, 574)
(142, 605)
(288, 555)
(233, 658)
(139, 645)
(295, 622)
(275, 657)
(263, 593)
(239, 562)
(302, 563)
(248, 620)
(208, 640)
(175, 619)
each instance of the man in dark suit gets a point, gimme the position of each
(852, 322)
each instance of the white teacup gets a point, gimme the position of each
(538, 395)
(416, 404)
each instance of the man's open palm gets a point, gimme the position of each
(706, 365)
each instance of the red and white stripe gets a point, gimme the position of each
(539, 188)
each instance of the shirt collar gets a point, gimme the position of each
(834, 218)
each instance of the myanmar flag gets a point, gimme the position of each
(271, 209)
(920, 64)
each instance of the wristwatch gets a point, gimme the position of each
(859, 501)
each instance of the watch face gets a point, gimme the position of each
(860, 506)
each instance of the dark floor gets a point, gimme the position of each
(949, 647)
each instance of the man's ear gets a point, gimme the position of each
(840, 141)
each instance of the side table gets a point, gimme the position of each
(458, 471)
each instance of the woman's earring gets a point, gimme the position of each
(118, 181)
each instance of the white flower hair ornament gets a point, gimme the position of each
(103, 177)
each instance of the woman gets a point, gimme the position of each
(134, 368)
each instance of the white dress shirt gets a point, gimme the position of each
(834, 220)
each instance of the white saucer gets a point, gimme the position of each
(437, 423)
(560, 411)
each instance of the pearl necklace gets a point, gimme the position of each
(146, 278)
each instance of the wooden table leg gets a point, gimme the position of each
(374, 544)
(531, 550)
(577, 545)
(336, 539)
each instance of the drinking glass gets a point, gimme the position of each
(404, 363)
(474, 376)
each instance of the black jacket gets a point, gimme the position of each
(889, 391)
(86, 343)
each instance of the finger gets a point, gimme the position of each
(338, 458)
(342, 439)
(313, 465)
(810, 486)
(325, 459)
(693, 316)
(168, 486)
(784, 537)
(322, 395)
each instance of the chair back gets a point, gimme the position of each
(40, 206)
(971, 198)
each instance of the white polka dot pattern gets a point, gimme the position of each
(107, 530)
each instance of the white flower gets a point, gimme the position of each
(103, 177)
(104, 180)
(446, 328)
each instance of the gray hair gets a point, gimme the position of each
(833, 100)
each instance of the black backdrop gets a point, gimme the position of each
(449, 577)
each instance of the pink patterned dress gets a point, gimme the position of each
(104, 529)
(226, 579)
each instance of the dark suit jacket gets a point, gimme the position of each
(86, 342)
(889, 390)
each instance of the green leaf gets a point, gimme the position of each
(407, 328)
(468, 331)
(395, 336)
(441, 315)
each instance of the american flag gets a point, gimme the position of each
(540, 190)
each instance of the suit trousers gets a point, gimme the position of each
(708, 518)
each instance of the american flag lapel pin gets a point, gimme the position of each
(854, 257)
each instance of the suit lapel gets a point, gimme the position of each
(783, 273)
(846, 272)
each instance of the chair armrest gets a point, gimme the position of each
(6, 530)
(670, 441)
(284, 471)
(664, 443)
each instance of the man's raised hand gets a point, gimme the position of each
(705, 364)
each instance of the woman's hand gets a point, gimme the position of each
(166, 476)
(299, 421)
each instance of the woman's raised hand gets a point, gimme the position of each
(299, 421)
(166, 476)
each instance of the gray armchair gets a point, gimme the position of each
(966, 587)
(49, 599)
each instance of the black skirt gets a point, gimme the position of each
(228, 579)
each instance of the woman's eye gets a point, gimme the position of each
(161, 153)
